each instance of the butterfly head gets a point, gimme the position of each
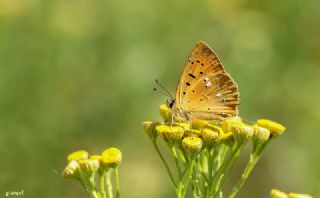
(170, 103)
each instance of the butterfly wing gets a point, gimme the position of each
(206, 90)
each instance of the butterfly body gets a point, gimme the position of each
(205, 90)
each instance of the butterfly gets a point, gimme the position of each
(206, 90)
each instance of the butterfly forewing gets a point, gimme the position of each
(206, 90)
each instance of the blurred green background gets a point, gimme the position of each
(78, 74)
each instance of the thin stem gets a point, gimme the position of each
(84, 187)
(109, 184)
(173, 183)
(116, 176)
(219, 173)
(102, 186)
(176, 161)
(228, 170)
(201, 171)
(187, 178)
(254, 158)
(93, 186)
(195, 184)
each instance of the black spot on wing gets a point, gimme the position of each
(192, 76)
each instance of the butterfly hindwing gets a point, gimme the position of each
(205, 89)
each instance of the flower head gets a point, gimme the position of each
(111, 158)
(296, 195)
(241, 131)
(77, 155)
(260, 134)
(149, 128)
(170, 134)
(210, 135)
(199, 124)
(275, 128)
(71, 171)
(191, 133)
(192, 145)
(166, 113)
(227, 139)
(89, 166)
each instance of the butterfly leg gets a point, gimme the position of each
(172, 118)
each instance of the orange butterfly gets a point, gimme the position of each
(205, 90)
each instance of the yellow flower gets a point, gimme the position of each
(227, 139)
(260, 134)
(71, 171)
(97, 157)
(89, 166)
(275, 128)
(296, 195)
(228, 122)
(111, 158)
(198, 124)
(210, 135)
(170, 134)
(241, 132)
(192, 145)
(166, 113)
(77, 155)
(275, 193)
(149, 128)
(191, 133)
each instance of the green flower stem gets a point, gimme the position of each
(116, 176)
(84, 187)
(187, 178)
(219, 173)
(176, 161)
(195, 184)
(254, 157)
(209, 159)
(228, 170)
(173, 183)
(109, 184)
(93, 186)
(201, 171)
(102, 178)
(182, 155)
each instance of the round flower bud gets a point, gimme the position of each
(89, 166)
(199, 124)
(227, 139)
(241, 132)
(260, 134)
(275, 193)
(97, 157)
(71, 171)
(77, 155)
(111, 158)
(166, 113)
(275, 128)
(296, 195)
(192, 145)
(170, 134)
(185, 125)
(228, 122)
(191, 133)
(210, 135)
(149, 128)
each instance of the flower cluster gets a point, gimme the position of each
(89, 169)
(275, 193)
(205, 152)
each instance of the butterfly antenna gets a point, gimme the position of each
(164, 89)
(160, 91)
